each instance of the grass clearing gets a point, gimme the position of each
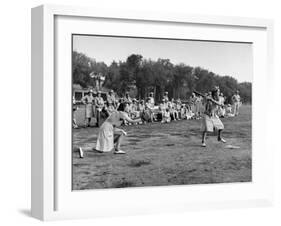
(166, 154)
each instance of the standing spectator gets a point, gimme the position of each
(182, 112)
(150, 106)
(236, 103)
(165, 108)
(178, 108)
(221, 112)
(134, 109)
(88, 100)
(74, 108)
(201, 106)
(141, 109)
(162, 111)
(128, 100)
(194, 105)
(99, 104)
(111, 99)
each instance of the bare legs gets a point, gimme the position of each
(236, 109)
(204, 135)
(118, 138)
(219, 134)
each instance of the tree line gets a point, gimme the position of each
(139, 76)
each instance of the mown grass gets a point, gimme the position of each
(166, 154)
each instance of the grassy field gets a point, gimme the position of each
(166, 154)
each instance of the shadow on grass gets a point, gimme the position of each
(123, 184)
(138, 163)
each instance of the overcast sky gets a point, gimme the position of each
(233, 59)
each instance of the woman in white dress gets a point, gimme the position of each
(110, 137)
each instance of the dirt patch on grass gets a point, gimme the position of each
(138, 163)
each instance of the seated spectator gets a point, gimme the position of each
(166, 116)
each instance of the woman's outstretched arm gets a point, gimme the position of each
(120, 130)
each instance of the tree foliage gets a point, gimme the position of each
(140, 76)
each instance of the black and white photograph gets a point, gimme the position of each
(160, 112)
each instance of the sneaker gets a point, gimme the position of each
(203, 145)
(222, 140)
(81, 153)
(119, 152)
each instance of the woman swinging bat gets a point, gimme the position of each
(211, 120)
(110, 137)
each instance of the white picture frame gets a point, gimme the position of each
(52, 198)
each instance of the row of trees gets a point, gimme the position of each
(140, 76)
